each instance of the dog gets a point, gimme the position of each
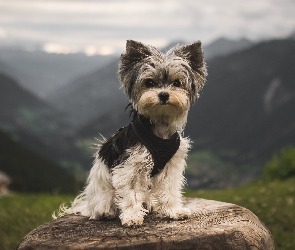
(140, 169)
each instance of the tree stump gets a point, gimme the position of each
(213, 225)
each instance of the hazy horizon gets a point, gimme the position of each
(102, 27)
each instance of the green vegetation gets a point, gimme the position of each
(20, 214)
(87, 146)
(207, 170)
(273, 203)
(39, 120)
(281, 166)
(76, 168)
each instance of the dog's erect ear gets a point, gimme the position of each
(193, 54)
(135, 53)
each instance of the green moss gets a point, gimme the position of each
(281, 166)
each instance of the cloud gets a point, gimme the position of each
(85, 24)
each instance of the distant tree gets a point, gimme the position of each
(281, 166)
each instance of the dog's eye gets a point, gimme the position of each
(150, 83)
(176, 83)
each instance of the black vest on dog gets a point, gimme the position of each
(113, 150)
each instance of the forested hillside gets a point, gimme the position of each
(31, 172)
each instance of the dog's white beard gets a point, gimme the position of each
(130, 191)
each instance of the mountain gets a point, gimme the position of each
(224, 46)
(42, 72)
(90, 95)
(31, 172)
(86, 97)
(245, 114)
(104, 125)
(219, 47)
(36, 124)
(246, 109)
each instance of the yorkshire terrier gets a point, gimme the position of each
(140, 168)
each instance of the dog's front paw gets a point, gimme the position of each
(131, 222)
(176, 213)
(181, 213)
(130, 217)
(109, 216)
(103, 215)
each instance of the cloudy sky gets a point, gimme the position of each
(102, 26)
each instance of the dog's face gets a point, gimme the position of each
(160, 86)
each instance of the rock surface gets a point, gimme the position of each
(213, 225)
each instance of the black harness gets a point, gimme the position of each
(113, 151)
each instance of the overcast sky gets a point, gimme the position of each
(102, 26)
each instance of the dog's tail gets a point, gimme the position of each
(78, 206)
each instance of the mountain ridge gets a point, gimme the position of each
(30, 172)
(42, 72)
(235, 99)
(83, 97)
(39, 126)
(245, 91)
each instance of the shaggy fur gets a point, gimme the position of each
(161, 89)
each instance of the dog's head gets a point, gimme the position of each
(162, 86)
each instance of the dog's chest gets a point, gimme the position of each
(114, 151)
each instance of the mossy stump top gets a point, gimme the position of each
(213, 225)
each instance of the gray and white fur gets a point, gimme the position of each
(161, 88)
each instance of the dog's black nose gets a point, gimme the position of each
(164, 96)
